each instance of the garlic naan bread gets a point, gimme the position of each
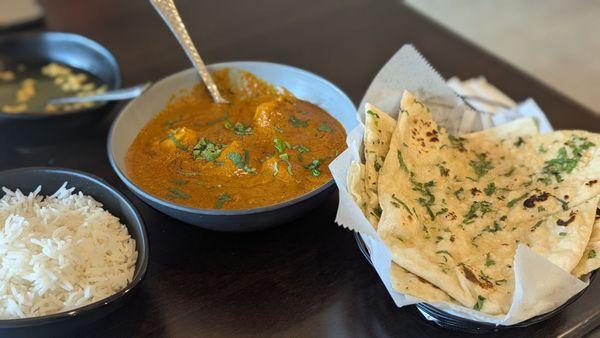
(454, 209)
(379, 126)
(378, 132)
(362, 185)
(415, 286)
(524, 126)
(590, 260)
(356, 184)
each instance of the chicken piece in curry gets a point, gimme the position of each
(263, 147)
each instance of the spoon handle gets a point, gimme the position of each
(169, 13)
(112, 95)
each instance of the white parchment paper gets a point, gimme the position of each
(540, 286)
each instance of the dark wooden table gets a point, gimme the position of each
(306, 278)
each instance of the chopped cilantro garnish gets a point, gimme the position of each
(514, 201)
(420, 103)
(562, 234)
(300, 148)
(527, 183)
(545, 180)
(177, 143)
(562, 163)
(179, 181)
(428, 198)
(206, 150)
(443, 170)
(224, 197)
(492, 228)
(441, 211)
(481, 165)
(564, 204)
(488, 260)
(285, 157)
(241, 162)
(377, 212)
(490, 189)
(397, 203)
(372, 113)
(324, 127)
(519, 142)
(591, 254)
(280, 145)
(484, 276)
(377, 166)
(296, 122)
(479, 304)
(458, 142)
(458, 193)
(314, 167)
(536, 225)
(401, 162)
(509, 172)
(239, 128)
(176, 193)
(477, 209)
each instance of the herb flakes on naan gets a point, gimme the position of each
(454, 209)
(590, 260)
(378, 132)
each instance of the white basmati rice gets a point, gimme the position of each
(59, 252)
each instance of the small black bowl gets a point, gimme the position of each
(452, 322)
(70, 49)
(27, 180)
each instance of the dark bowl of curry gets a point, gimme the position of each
(256, 162)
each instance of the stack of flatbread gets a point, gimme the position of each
(453, 209)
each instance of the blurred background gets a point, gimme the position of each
(556, 41)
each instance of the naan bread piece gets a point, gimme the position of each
(525, 126)
(590, 260)
(379, 127)
(455, 209)
(356, 184)
(562, 164)
(378, 132)
(562, 238)
(415, 286)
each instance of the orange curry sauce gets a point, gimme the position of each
(264, 147)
